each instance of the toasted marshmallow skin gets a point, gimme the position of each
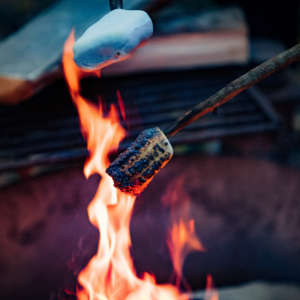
(113, 38)
(133, 170)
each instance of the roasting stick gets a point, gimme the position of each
(235, 87)
(134, 169)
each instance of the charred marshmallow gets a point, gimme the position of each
(113, 38)
(134, 169)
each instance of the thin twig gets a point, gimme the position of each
(235, 87)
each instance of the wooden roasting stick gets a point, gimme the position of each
(134, 169)
(235, 87)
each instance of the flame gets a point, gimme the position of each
(121, 104)
(110, 273)
(182, 237)
(183, 241)
(210, 292)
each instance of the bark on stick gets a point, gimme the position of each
(235, 87)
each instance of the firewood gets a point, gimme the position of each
(30, 57)
(184, 51)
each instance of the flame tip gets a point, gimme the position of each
(110, 273)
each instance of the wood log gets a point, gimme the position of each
(30, 58)
(184, 51)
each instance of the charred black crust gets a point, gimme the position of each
(123, 176)
(157, 147)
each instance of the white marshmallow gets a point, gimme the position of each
(113, 38)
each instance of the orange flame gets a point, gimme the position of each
(210, 292)
(182, 238)
(110, 273)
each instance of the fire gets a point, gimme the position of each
(183, 240)
(210, 292)
(182, 237)
(110, 274)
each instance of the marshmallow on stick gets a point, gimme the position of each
(113, 38)
(133, 170)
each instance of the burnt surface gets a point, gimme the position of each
(247, 216)
(134, 168)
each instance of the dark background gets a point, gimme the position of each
(273, 19)
(266, 18)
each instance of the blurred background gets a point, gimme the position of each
(239, 169)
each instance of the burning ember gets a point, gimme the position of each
(110, 273)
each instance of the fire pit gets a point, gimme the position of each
(203, 221)
(245, 215)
